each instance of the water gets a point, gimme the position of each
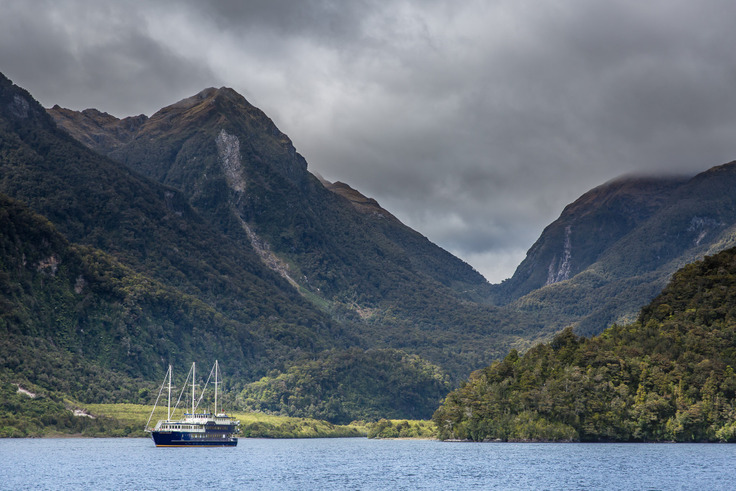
(358, 463)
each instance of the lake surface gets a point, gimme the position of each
(359, 463)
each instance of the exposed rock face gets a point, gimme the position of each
(49, 265)
(271, 260)
(228, 148)
(561, 272)
(19, 107)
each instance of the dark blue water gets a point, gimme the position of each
(357, 463)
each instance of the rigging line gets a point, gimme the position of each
(158, 397)
(201, 394)
(183, 388)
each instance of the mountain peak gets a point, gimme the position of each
(208, 96)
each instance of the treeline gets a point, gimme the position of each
(386, 428)
(668, 376)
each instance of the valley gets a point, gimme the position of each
(200, 233)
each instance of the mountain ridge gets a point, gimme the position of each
(595, 250)
(206, 214)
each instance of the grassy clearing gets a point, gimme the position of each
(252, 425)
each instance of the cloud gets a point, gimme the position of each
(84, 54)
(473, 122)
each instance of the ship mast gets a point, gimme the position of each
(193, 363)
(216, 368)
(168, 406)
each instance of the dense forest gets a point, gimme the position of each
(345, 386)
(668, 376)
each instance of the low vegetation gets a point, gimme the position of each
(24, 413)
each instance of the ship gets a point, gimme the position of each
(196, 428)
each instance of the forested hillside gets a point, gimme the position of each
(668, 376)
(156, 237)
(337, 387)
(199, 233)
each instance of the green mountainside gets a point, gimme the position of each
(668, 376)
(199, 233)
(151, 229)
(585, 230)
(236, 167)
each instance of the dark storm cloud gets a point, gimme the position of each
(93, 54)
(329, 21)
(474, 122)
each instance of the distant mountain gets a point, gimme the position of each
(615, 248)
(666, 377)
(586, 229)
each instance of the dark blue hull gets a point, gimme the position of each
(190, 439)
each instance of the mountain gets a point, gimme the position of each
(107, 276)
(615, 248)
(164, 269)
(237, 167)
(586, 229)
(230, 249)
(666, 377)
(339, 249)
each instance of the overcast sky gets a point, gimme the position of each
(474, 122)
